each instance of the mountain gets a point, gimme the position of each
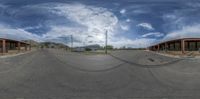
(32, 42)
(53, 45)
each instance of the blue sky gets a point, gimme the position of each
(131, 23)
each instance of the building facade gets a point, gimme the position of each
(183, 45)
(7, 45)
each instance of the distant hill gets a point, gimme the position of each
(53, 45)
(32, 42)
(45, 44)
(93, 46)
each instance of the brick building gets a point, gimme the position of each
(7, 45)
(183, 45)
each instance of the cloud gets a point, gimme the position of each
(125, 27)
(92, 17)
(17, 34)
(147, 26)
(186, 32)
(140, 11)
(154, 34)
(94, 20)
(194, 5)
(128, 20)
(134, 43)
(123, 11)
(33, 27)
(3, 6)
(91, 20)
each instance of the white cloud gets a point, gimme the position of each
(123, 11)
(128, 20)
(124, 27)
(92, 17)
(169, 16)
(97, 39)
(154, 34)
(35, 27)
(96, 20)
(186, 32)
(134, 43)
(147, 26)
(140, 11)
(93, 22)
(17, 34)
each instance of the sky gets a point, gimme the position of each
(130, 23)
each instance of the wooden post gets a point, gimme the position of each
(183, 46)
(4, 46)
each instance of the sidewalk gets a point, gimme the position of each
(15, 54)
(176, 56)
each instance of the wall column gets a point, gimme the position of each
(183, 46)
(4, 46)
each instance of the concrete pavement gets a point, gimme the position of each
(57, 74)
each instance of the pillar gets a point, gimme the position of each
(166, 47)
(19, 46)
(196, 46)
(25, 47)
(4, 46)
(174, 45)
(158, 47)
(30, 47)
(183, 46)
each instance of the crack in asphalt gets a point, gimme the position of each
(147, 66)
(86, 70)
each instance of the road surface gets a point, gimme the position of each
(57, 74)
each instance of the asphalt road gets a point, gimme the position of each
(57, 74)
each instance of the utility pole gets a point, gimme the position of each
(71, 43)
(106, 43)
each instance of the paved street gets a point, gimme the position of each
(57, 74)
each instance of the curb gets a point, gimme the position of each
(13, 55)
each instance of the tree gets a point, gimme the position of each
(109, 47)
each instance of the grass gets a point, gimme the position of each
(98, 52)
